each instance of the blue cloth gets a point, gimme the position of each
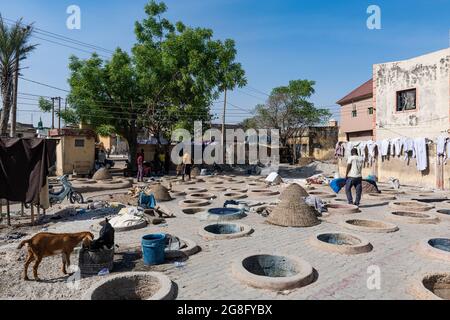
(337, 184)
(147, 201)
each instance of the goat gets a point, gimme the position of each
(46, 244)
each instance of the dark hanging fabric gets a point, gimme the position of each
(24, 165)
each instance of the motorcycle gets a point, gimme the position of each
(66, 191)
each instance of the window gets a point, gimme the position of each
(406, 100)
(79, 143)
(354, 111)
(370, 110)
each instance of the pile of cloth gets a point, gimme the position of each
(317, 179)
(127, 218)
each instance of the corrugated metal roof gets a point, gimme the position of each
(362, 92)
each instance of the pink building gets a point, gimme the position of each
(358, 114)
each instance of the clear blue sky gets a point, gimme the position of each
(277, 41)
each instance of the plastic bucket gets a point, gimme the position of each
(153, 246)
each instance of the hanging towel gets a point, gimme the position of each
(441, 148)
(408, 146)
(396, 147)
(420, 149)
(371, 151)
(385, 147)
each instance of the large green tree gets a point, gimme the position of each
(169, 80)
(289, 110)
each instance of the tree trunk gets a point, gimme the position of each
(14, 104)
(6, 97)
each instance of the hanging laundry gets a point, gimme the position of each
(362, 149)
(371, 151)
(441, 145)
(396, 147)
(408, 148)
(339, 150)
(420, 149)
(384, 147)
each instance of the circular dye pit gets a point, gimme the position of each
(177, 193)
(438, 248)
(211, 181)
(273, 272)
(433, 286)
(221, 231)
(263, 192)
(379, 196)
(414, 217)
(410, 206)
(321, 194)
(201, 195)
(238, 190)
(216, 188)
(182, 248)
(193, 203)
(429, 198)
(340, 208)
(443, 213)
(369, 226)
(192, 210)
(342, 243)
(234, 195)
(195, 190)
(132, 286)
(223, 214)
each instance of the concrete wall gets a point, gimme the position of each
(362, 122)
(70, 157)
(429, 75)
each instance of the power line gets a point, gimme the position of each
(43, 84)
(61, 37)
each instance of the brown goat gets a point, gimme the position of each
(46, 244)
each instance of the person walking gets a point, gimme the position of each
(354, 177)
(140, 164)
(187, 165)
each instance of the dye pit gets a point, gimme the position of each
(221, 228)
(339, 239)
(270, 266)
(440, 243)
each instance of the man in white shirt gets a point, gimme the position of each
(354, 177)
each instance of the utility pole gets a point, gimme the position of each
(53, 113)
(14, 106)
(59, 114)
(223, 123)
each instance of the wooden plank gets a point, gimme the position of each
(32, 214)
(8, 213)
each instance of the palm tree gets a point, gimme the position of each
(14, 48)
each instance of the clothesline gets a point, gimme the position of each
(410, 147)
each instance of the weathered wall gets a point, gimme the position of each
(407, 172)
(70, 157)
(429, 75)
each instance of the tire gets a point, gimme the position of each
(76, 197)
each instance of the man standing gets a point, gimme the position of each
(101, 158)
(354, 177)
(140, 164)
(187, 164)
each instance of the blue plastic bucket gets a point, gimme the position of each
(153, 246)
